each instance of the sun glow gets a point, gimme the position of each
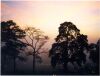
(48, 15)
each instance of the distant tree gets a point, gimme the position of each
(70, 44)
(98, 49)
(97, 56)
(11, 43)
(94, 54)
(93, 51)
(36, 40)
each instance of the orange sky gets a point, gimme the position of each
(47, 15)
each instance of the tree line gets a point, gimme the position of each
(14, 40)
(69, 46)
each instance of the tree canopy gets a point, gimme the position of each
(10, 37)
(35, 39)
(70, 44)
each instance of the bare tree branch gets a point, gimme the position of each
(35, 35)
(41, 45)
(36, 43)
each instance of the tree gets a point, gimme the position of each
(94, 54)
(68, 40)
(67, 32)
(79, 47)
(11, 43)
(97, 56)
(36, 40)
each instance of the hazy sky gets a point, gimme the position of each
(48, 15)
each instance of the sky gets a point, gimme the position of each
(48, 15)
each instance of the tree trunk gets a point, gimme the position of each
(33, 62)
(3, 63)
(14, 65)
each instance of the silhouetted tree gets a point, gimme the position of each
(55, 52)
(11, 43)
(36, 40)
(93, 51)
(97, 56)
(82, 44)
(94, 54)
(70, 44)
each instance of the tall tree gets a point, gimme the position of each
(36, 40)
(68, 40)
(11, 43)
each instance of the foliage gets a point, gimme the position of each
(69, 45)
(10, 38)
